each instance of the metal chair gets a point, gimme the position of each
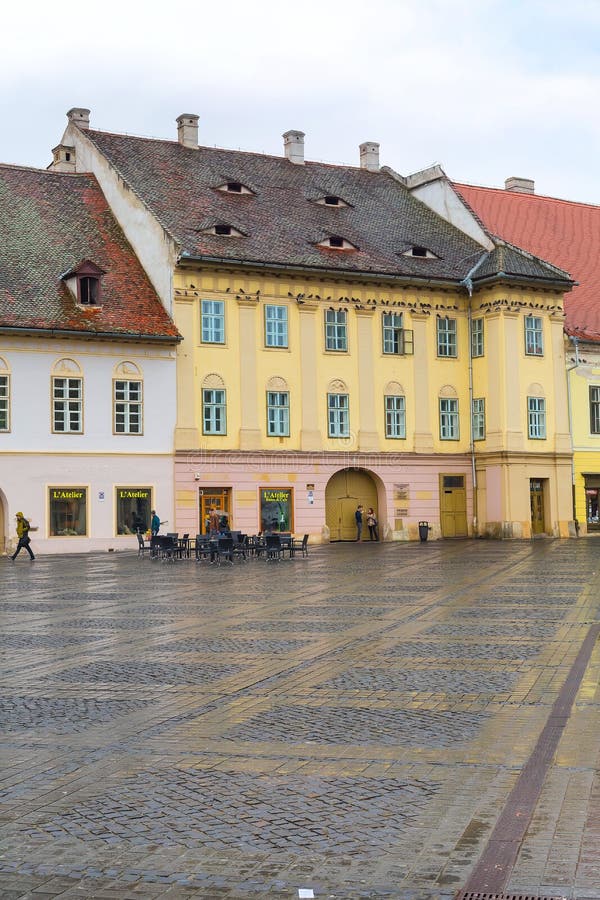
(224, 551)
(273, 548)
(300, 546)
(142, 544)
(240, 547)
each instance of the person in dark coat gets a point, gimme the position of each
(23, 527)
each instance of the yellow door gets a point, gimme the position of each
(453, 506)
(345, 490)
(536, 493)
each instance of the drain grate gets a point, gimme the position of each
(480, 895)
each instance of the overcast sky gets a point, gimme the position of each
(486, 88)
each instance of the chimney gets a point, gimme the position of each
(63, 159)
(79, 117)
(519, 185)
(293, 147)
(369, 156)
(187, 130)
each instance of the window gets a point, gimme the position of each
(278, 413)
(477, 345)
(449, 424)
(4, 402)
(336, 337)
(479, 420)
(67, 412)
(234, 187)
(214, 411)
(338, 408)
(128, 407)
(446, 337)
(594, 409)
(534, 343)
(134, 506)
(396, 339)
(276, 508)
(337, 242)
(276, 326)
(89, 290)
(213, 321)
(68, 511)
(395, 417)
(331, 200)
(536, 415)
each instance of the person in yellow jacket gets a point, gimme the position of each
(23, 527)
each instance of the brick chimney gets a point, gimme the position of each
(63, 159)
(187, 130)
(79, 117)
(519, 185)
(293, 147)
(369, 156)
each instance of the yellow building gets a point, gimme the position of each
(343, 345)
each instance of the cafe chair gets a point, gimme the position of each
(273, 548)
(143, 545)
(224, 550)
(240, 547)
(300, 546)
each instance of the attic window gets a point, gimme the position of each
(420, 252)
(336, 242)
(331, 200)
(234, 187)
(223, 230)
(88, 289)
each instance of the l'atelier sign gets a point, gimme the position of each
(71, 494)
(125, 494)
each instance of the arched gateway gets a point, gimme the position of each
(344, 491)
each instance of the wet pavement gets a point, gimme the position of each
(378, 720)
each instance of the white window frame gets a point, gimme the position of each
(478, 419)
(67, 404)
(536, 418)
(594, 409)
(395, 416)
(276, 326)
(338, 415)
(447, 346)
(392, 325)
(4, 402)
(212, 328)
(128, 406)
(278, 413)
(214, 411)
(336, 330)
(449, 419)
(534, 336)
(477, 337)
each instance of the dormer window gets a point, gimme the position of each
(234, 187)
(332, 200)
(223, 230)
(336, 242)
(420, 252)
(85, 283)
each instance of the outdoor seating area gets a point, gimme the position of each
(223, 549)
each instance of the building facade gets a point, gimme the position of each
(342, 343)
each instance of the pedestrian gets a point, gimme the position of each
(372, 524)
(358, 515)
(214, 522)
(23, 528)
(155, 524)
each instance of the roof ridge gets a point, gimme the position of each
(504, 192)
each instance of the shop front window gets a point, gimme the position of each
(68, 511)
(134, 506)
(276, 509)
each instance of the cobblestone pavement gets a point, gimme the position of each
(350, 725)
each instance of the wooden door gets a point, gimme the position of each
(536, 493)
(345, 490)
(453, 506)
(220, 498)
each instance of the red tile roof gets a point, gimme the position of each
(49, 223)
(562, 232)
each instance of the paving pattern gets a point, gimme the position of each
(353, 724)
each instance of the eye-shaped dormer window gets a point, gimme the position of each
(234, 187)
(332, 200)
(420, 252)
(336, 242)
(223, 230)
(85, 283)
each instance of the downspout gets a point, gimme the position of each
(575, 342)
(469, 286)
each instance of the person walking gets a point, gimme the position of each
(23, 528)
(358, 515)
(155, 524)
(372, 524)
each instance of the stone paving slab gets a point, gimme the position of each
(352, 723)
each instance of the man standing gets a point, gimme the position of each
(358, 515)
(154, 524)
(23, 535)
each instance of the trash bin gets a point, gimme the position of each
(423, 530)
